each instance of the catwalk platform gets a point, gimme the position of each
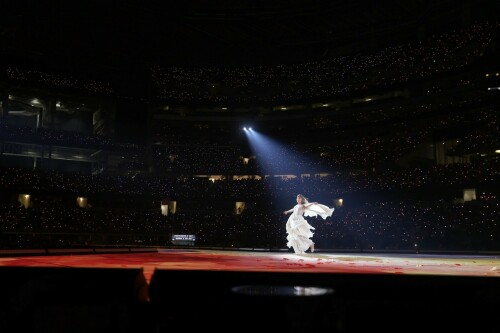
(160, 290)
(150, 260)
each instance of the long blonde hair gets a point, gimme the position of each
(304, 199)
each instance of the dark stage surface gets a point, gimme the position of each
(165, 290)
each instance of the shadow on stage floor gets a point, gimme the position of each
(227, 291)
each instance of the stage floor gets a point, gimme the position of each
(162, 290)
(240, 260)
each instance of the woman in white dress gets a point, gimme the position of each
(298, 229)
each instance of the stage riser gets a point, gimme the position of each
(356, 303)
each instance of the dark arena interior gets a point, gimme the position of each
(149, 150)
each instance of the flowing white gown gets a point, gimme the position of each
(299, 230)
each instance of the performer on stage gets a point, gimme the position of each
(298, 229)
